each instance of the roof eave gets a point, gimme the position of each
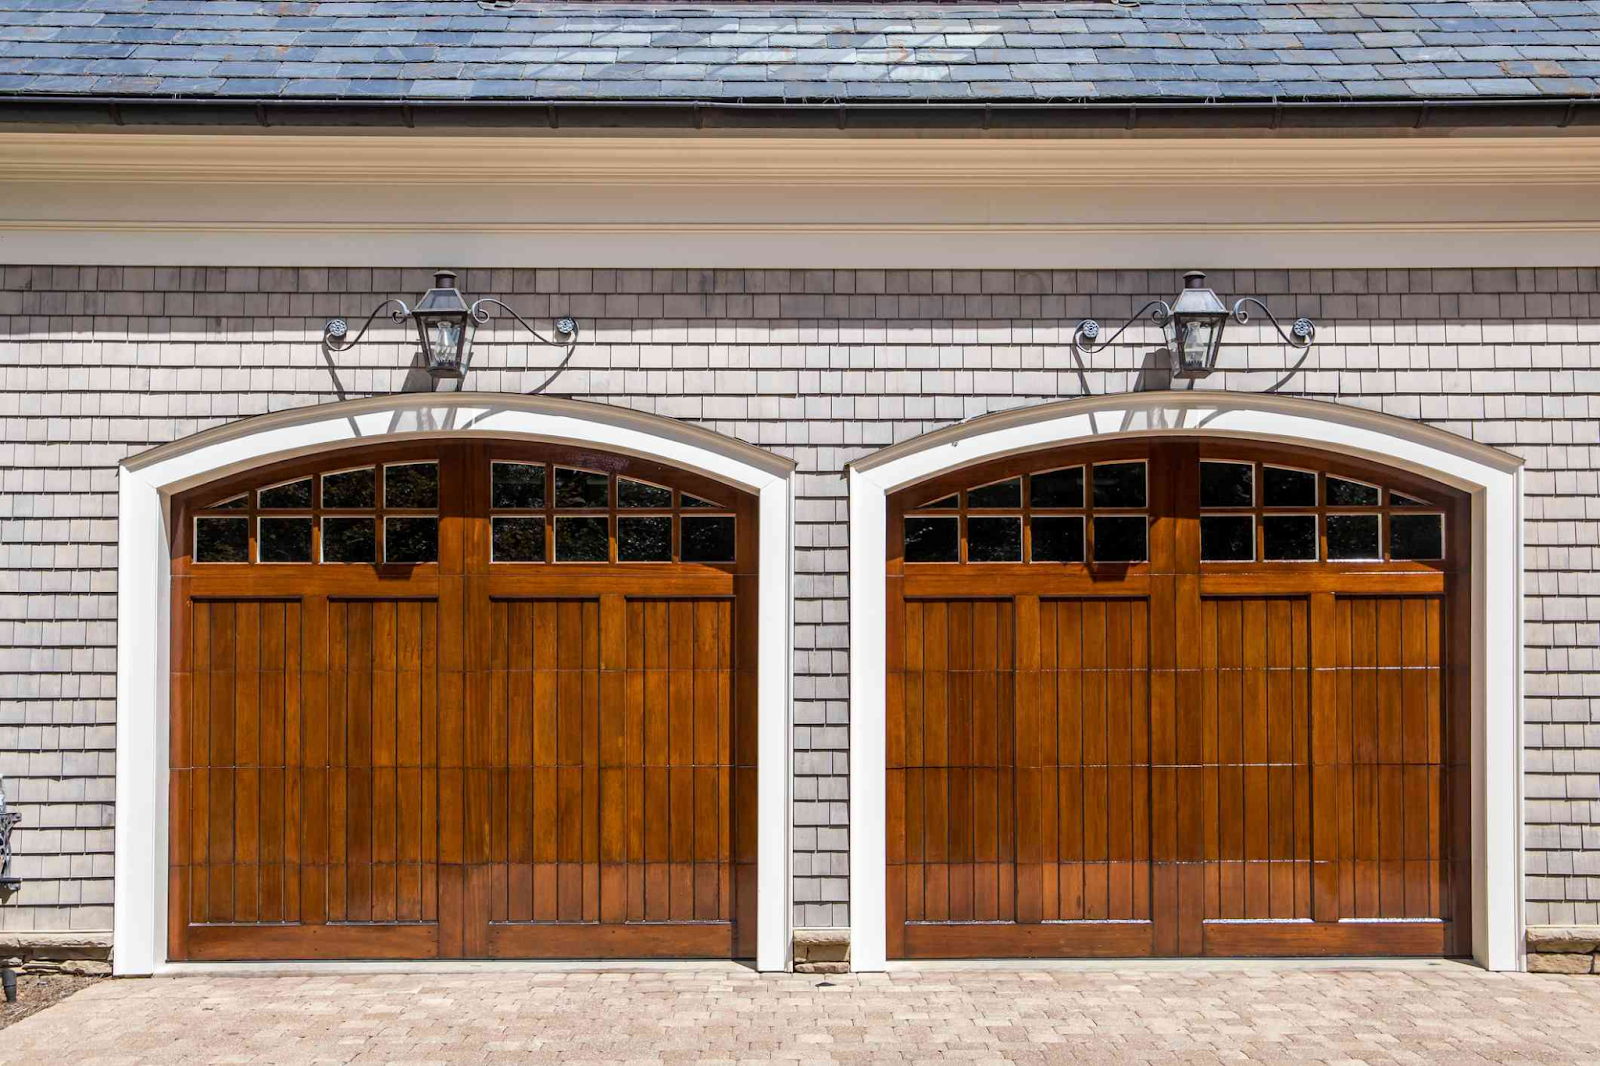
(1577, 115)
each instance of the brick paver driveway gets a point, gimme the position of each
(1446, 1014)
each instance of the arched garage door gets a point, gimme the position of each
(463, 700)
(1177, 697)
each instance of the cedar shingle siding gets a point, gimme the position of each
(822, 366)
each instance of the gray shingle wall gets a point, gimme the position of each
(821, 366)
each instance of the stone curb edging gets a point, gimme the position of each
(1569, 949)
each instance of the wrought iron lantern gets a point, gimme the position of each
(8, 821)
(1193, 325)
(445, 324)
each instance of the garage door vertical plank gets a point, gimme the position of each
(273, 696)
(657, 728)
(959, 806)
(936, 752)
(1324, 757)
(385, 786)
(634, 711)
(612, 805)
(546, 756)
(220, 854)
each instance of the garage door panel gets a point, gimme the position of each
(1278, 768)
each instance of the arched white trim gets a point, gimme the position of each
(149, 481)
(1493, 479)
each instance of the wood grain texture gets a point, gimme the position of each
(463, 758)
(1257, 758)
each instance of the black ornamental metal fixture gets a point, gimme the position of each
(8, 821)
(445, 325)
(1193, 325)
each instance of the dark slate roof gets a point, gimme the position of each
(1395, 50)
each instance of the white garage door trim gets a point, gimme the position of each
(149, 481)
(1493, 478)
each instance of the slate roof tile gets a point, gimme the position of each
(784, 51)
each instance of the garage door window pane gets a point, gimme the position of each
(1416, 536)
(644, 540)
(707, 540)
(349, 540)
(631, 493)
(944, 503)
(285, 540)
(518, 540)
(580, 488)
(994, 539)
(1057, 539)
(1119, 485)
(1289, 537)
(1000, 494)
(932, 540)
(1227, 538)
(1288, 488)
(1353, 536)
(1344, 493)
(1227, 484)
(1121, 539)
(288, 497)
(1057, 488)
(518, 485)
(686, 500)
(582, 540)
(414, 486)
(222, 540)
(349, 488)
(411, 540)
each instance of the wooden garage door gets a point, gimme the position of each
(463, 701)
(1177, 698)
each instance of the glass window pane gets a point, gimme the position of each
(1000, 494)
(222, 540)
(644, 540)
(284, 540)
(349, 540)
(932, 540)
(349, 488)
(580, 488)
(1416, 536)
(411, 485)
(1400, 499)
(1228, 538)
(518, 485)
(631, 493)
(1289, 536)
(1353, 536)
(411, 540)
(293, 496)
(1057, 488)
(582, 540)
(994, 539)
(686, 500)
(232, 503)
(707, 540)
(1058, 539)
(944, 503)
(1227, 484)
(1342, 493)
(1288, 488)
(1119, 485)
(518, 540)
(1120, 539)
